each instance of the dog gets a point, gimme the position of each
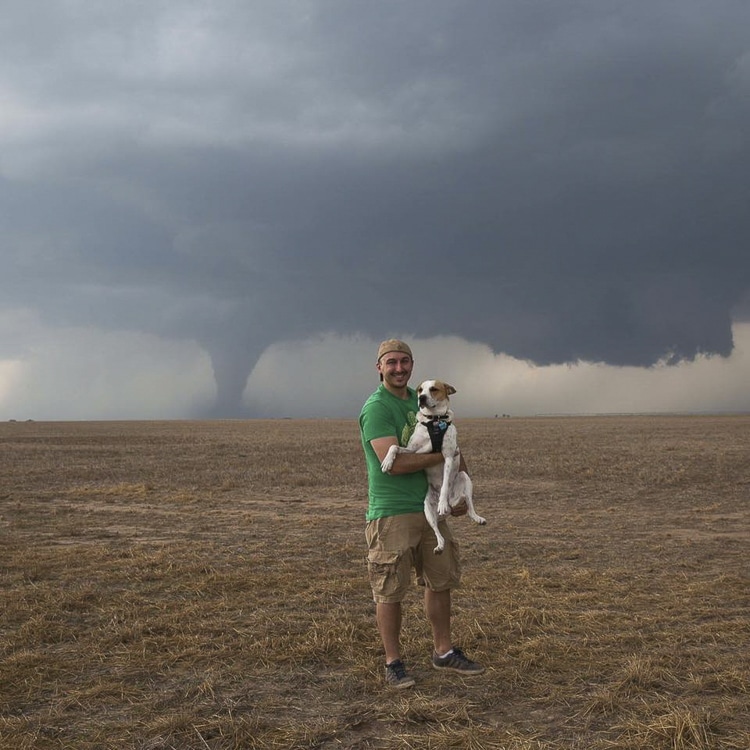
(435, 431)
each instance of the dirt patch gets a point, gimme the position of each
(202, 584)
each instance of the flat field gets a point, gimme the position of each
(203, 585)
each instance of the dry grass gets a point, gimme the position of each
(203, 585)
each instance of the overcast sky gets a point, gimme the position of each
(219, 209)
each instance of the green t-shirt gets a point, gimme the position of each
(385, 415)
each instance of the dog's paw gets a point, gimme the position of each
(390, 457)
(481, 521)
(439, 549)
(443, 509)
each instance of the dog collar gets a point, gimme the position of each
(436, 428)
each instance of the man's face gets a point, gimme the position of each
(395, 367)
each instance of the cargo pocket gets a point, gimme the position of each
(455, 567)
(443, 572)
(382, 567)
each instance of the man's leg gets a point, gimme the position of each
(390, 561)
(443, 572)
(437, 607)
(388, 616)
(437, 604)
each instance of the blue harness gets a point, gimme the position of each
(436, 428)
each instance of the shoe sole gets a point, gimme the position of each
(458, 670)
(401, 685)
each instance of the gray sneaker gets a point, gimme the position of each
(456, 661)
(396, 675)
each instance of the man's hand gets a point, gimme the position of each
(459, 509)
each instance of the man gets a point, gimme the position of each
(398, 535)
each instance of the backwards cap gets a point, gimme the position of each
(393, 345)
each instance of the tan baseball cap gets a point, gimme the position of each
(393, 345)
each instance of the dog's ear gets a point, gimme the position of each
(449, 389)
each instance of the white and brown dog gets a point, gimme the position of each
(435, 431)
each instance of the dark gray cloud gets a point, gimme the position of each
(560, 181)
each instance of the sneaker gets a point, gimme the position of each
(456, 661)
(396, 675)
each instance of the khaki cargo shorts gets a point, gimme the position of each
(398, 544)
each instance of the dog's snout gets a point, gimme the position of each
(423, 399)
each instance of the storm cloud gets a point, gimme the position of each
(559, 182)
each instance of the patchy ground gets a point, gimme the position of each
(203, 585)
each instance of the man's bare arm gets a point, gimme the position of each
(405, 463)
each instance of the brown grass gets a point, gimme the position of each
(203, 585)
